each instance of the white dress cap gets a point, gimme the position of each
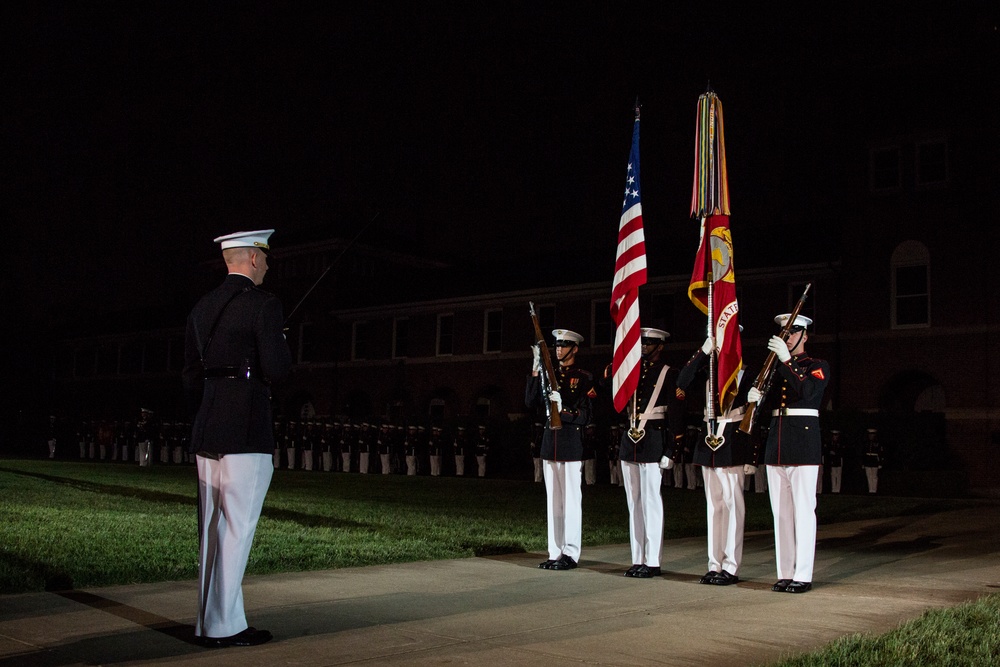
(800, 320)
(648, 332)
(566, 334)
(255, 239)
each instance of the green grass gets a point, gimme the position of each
(69, 524)
(965, 635)
(79, 525)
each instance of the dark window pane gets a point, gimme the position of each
(911, 280)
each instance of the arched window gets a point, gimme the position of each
(911, 286)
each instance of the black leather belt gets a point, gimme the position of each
(233, 373)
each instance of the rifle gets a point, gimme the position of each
(763, 381)
(548, 375)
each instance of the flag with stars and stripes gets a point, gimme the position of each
(630, 273)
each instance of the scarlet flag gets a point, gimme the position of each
(630, 272)
(715, 257)
(713, 265)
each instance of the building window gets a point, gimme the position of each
(360, 340)
(307, 342)
(445, 334)
(492, 330)
(436, 410)
(603, 327)
(932, 163)
(400, 338)
(884, 171)
(483, 408)
(911, 307)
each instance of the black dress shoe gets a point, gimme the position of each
(632, 570)
(646, 572)
(249, 637)
(547, 565)
(781, 585)
(708, 576)
(564, 563)
(724, 579)
(799, 587)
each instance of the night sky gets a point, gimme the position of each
(136, 132)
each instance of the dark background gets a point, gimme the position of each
(492, 138)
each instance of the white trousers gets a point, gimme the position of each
(231, 493)
(692, 479)
(308, 459)
(589, 472)
(411, 465)
(836, 474)
(52, 448)
(435, 465)
(459, 465)
(327, 461)
(793, 504)
(645, 511)
(872, 474)
(346, 458)
(481, 461)
(143, 455)
(564, 507)
(537, 462)
(363, 463)
(759, 482)
(725, 513)
(384, 458)
(616, 473)
(678, 475)
(291, 457)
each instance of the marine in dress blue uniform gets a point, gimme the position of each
(562, 449)
(723, 471)
(234, 349)
(658, 416)
(793, 454)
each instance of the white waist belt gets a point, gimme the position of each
(795, 412)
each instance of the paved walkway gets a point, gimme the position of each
(499, 611)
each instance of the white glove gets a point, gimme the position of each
(666, 463)
(753, 395)
(554, 397)
(707, 346)
(749, 469)
(778, 346)
(536, 359)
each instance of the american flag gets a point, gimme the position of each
(630, 272)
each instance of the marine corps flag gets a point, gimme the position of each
(713, 281)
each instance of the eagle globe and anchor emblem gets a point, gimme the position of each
(721, 247)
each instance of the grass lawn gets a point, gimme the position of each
(79, 525)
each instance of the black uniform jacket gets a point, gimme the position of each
(234, 414)
(738, 448)
(796, 440)
(658, 439)
(576, 388)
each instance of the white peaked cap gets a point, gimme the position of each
(566, 334)
(648, 332)
(256, 239)
(800, 320)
